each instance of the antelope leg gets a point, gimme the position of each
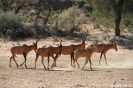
(15, 61)
(90, 64)
(100, 57)
(10, 60)
(48, 62)
(105, 59)
(86, 61)
(72, 57)
(36, 60)
(74, 61)
(54, 62)
(24, 60)
(43, 62)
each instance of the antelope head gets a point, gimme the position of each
(114, 45)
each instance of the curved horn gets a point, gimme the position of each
(60, 42)
(84, 37)
(37, 40)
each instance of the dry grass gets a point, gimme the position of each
(118, 72)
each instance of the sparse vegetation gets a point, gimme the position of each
(96, 40)
(10, 24)
(62, 22)
(53, 20)
(69, 20)
(55, 38)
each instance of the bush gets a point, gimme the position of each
(69, 20)
(10, 24)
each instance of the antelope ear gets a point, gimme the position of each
(60, 41)
(113, 42)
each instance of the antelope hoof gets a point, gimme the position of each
(47, 68)
(52, 66)
(21, 65)
(91, 69)
(82, 68)
(73, 66)
(26, 66)
(78, 66)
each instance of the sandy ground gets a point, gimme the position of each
(118, 74)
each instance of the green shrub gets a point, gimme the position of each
(71, 19)
(96, 40)
(96, 24)
(127, 22)
(10, 24)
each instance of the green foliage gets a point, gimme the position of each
(67, 21)
(10, 24)
(71, 19)
(127, 23)
(96, 40)
(104, 13)
(106, 37)
(55, 38)
(106, 18)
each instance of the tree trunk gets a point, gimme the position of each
(118, 11)
(36, 21)
(47, 19)
(117, 24)
(5, 10)
(18, 8)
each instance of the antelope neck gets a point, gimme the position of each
(109, 46)
(31, 47)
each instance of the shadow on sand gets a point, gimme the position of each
(94, 69)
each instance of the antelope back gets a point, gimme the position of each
(82, 45)
(95, 48)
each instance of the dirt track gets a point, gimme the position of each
(118, 74)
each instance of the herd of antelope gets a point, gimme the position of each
(75, 52)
